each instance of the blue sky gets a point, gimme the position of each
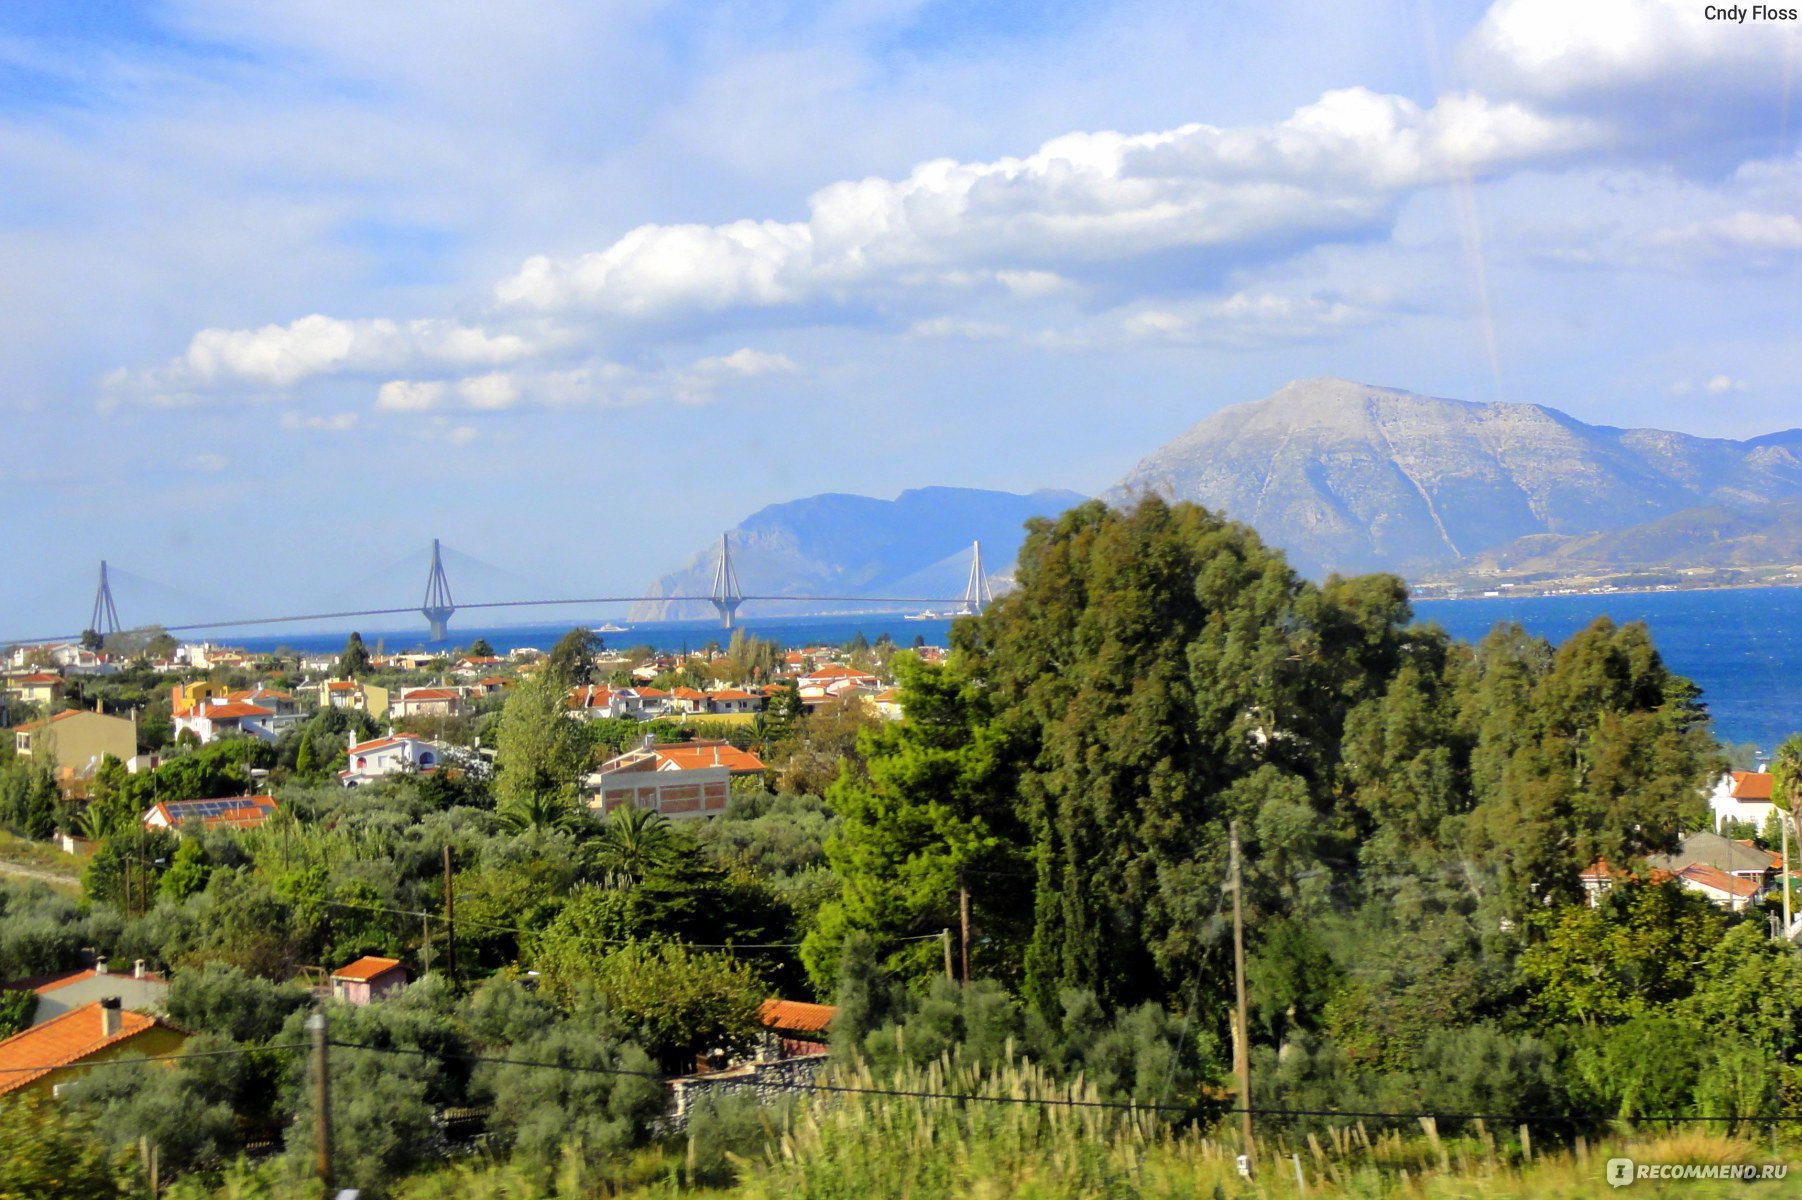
(291, 288)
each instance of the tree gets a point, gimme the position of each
(91, 639)
(682, 1002)
(1147, 660)
(45, 1150)
(937, 804)
(1786, 777)
(545, 1115)
(1641, 948)
(480, 648)
(571, 660)
(1601, 753)
(633, 840)
(540, 753)
(354, 662)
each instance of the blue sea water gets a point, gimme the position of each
(1742, 647)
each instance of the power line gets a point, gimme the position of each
(960, 1097)
(402, 912)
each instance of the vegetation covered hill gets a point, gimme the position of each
(1415, 814)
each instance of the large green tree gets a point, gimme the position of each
(540, 753)
(933, 820)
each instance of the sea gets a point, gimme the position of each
(1743, 646)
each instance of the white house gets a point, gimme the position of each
(217, 717)
(391, 755)
(1743, 796)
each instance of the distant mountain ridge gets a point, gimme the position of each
(838, 544)
(1349, 477)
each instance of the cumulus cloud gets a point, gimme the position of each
(1552, 50)
(1081, 202)
(342, 422)
(280, 356)
(595, 383)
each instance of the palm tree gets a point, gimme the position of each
(539, 812)
(1786, 793)
(634, 840)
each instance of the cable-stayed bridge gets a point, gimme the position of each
(438, 604)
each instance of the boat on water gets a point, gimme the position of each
(925, 615)
(610, 627)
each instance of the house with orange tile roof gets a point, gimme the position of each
(833, 680)
(368, 979)
(41, 688)
(395, 754)
(594, 702)
(794, 1028)
(687, 700)
(1743, 796)
(227, 812)
(427, 702)
(679, 779)
(734, 700)
(353, 694)
(45, 1055)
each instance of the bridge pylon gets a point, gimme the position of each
(977, 593)
(105, 620)
(438, 605)
(726, 595)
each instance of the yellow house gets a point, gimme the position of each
(76, 740)
(40, 688)
(184, 696)
(45, 1055)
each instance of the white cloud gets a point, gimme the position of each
(342, 422)
(282, 356)
(596, 383)
(212, 464)
(406, 395)
(1736, 233)
(1081, 202)
(1556, 50)
(954, 327)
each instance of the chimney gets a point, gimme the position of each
(137, 969)
(111, 1018)
(100, 964)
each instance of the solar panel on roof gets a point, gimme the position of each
(212, 808)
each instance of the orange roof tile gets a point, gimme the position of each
(231, 710)
(366, 968)
(40, 677)
(429, 694)
(796, 1016)
(1752, 785)
(61, 1041)
(691, 756)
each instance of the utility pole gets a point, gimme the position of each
(963, 916)
(450, 920)
(322, 1104)
(1783, 828)
(1242, 1025)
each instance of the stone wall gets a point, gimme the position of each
(767, 1081)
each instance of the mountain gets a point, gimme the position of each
(1714, 543)
(1349, 477)
(917, 544)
